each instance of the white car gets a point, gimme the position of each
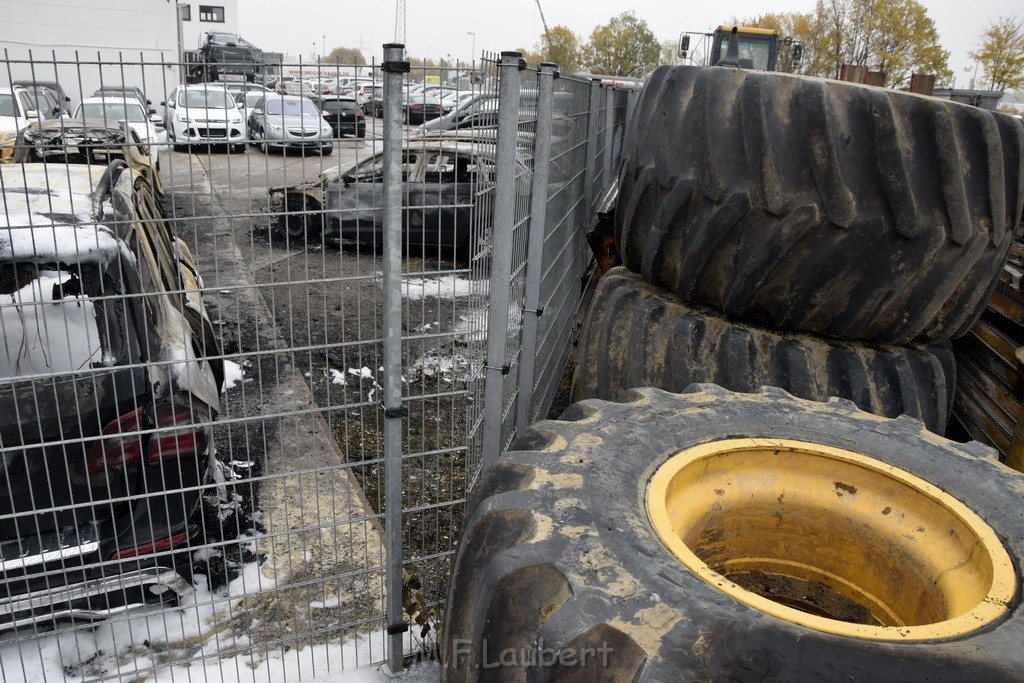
(204, 113)
(113, 111)
(18, 109)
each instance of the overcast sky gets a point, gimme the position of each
(438, 29)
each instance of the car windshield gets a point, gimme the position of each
(279, 107)
(212, 98)
(7, 105)
(112, 111)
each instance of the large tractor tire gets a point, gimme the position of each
(639, 335)
(720, 536)
(841, 209)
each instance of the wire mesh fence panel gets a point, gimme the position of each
(565, 254)
(192, 309)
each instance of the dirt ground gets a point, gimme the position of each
(325, 327)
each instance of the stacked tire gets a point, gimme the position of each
(794, 243)
(824, 237)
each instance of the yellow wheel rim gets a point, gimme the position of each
(830, 539)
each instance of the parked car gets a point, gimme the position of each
(19, 108)
(301, 88)
(289, 121)
(115, 91)
(422, 108)
(204, 113)
(110, 379)
(441, 213)
(247, 101)
(62, 97)
(77, 141)
(478, 111)
(344, 115)
(48, 101)
(111, 112)
(237, 89)
(365, 91)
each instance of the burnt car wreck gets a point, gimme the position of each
(110, 379)
(444, 210)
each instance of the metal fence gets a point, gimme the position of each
(246, 394)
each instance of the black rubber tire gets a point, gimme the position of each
(818, 205)
(302, 221)
(639, 335)
(558, 552)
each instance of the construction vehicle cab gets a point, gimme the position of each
(758, 48)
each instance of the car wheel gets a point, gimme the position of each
(638, 335)
(875, 215)
(719, 536)
(361, 133)
(302, 220)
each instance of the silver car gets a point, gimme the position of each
(289, 121)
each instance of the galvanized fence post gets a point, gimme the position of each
(535, 254)
(631, 98)
(394, 68)
(591, 168)
(501, 253)
(609, 137)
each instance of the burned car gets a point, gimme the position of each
(110, 378)
(444, 210)
(78, 140)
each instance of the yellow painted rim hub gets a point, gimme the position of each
(921, 563)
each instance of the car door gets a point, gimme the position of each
(257, 116)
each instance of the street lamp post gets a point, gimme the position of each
(473, 53)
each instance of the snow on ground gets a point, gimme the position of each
(233, 374)
(441, 287)
(204, 635)
(445, 365)
(446, 362)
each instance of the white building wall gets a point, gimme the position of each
(89, 43)
(195, 29)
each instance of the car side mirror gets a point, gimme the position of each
(32, 114)
(150, 102)
(152, 111)
(168, 104)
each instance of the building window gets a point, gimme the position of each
(186, 12)
(211, 13)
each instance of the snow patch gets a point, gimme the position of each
(447, 366)
(441, 287)
(233, 374)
